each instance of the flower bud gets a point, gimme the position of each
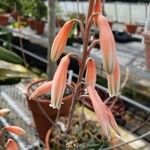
(11, 145)
(90, 76)
(107, 44)
(59, 83)
(14, 129)
(42, 89)
(61, 40)
(4, 112)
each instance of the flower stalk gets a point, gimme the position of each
(110, 64)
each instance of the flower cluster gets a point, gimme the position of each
(110, 64)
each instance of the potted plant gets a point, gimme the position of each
(28, 11)
(65, 126)
(42, 114)
(39, 12)
(3, 17)
(131, 27)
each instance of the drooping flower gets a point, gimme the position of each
(11, 145)
(61, 40)
(113, 80)
(90, 76)
(107, 44)
(59, 83)
(4, 112)
(104, 115)
(14, 129)
(97, 9)
(42, 89)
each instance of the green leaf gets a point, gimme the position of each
(10, 56)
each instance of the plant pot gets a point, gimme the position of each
(84, 132)
(31, 23)
(43, 113)
(39, 27)
(131, 28)
(15, 15)
(4, 20)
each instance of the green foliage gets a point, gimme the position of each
(39, 9)
(10, 5)
(27, 7)
(3, 5)
(10, 56)
(34, 8)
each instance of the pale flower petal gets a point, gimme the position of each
(107, 44)
(59, 83)
(61, 40)
(90, 76)
(42, 89)
(14, 129)
(4, 112)
(104, 115)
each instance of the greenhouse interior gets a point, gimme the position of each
(74, 74)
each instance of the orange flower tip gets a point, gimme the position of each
(4, 112)
(15, 129)
(11, 145)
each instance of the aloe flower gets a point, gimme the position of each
(97, 9)
(11, 145)
(90, 76)
(107, 43)
(59, 83)
(4, 112)
(114, 80)
(104, 115)
(42, 89)
(61, 40)
(14, 129)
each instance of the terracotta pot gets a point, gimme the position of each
(4, 20)
(15, 14)
(131, 28)
(39, 27)
(43, 113)
(31, 23)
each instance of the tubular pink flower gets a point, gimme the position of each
(90, 76)
(44, 88)
(107, 44)
(14, 129)
(59, 83)
(104, 115)
(97, 9)
(114, 80)
(11, 145)
(61, 40)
